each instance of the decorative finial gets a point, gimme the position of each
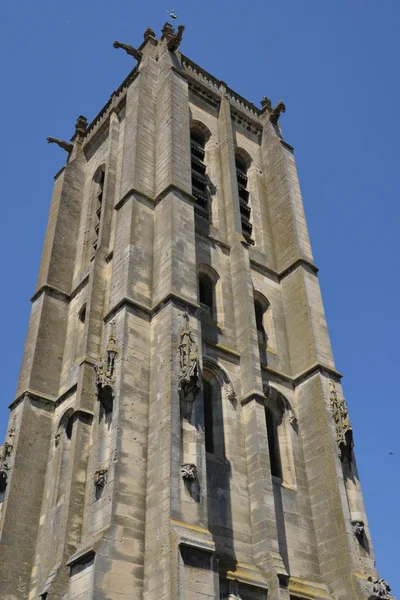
(81, 125)
(265, 102)
(172, 14)
(137, 55)
(149, 33)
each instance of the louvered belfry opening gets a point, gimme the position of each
(199, 180)
(245, 211)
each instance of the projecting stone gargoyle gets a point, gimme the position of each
(276, 112)
(174, 42)
(64, 145)
(137, 55)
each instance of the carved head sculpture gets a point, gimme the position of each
(358, 528)
(189, 472)
(380, 589)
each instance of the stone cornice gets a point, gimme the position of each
(299, 262)
(150, 311)
(52, 291)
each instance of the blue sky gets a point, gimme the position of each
(336, 66)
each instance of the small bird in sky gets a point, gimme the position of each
(391, 453)
(172, 14)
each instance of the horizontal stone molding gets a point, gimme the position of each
(52, 291)
(183, 302)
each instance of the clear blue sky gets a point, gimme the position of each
(336, 66)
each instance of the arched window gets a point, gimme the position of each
(199, 135)
(280, 426)
(208, 417)
(273, 443)
(243, 162)
(213, 415)
(98, 189)
(260, 310)
(210, 292)
(206, 292)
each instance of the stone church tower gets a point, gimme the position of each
(179, 429)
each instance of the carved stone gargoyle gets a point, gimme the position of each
(276, 112)
(380, 589)
(105, 373)
(174, 42)
(137, 55)
(62, 143)
(189, 372)
(344, 431)
(358, 528)
(189, 472)
(100, 478)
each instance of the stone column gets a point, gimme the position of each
(262, 514)
(312, 363)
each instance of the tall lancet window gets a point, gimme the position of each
(199, 135)
(242, 165)
(98, 204)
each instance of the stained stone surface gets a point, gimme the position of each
(163, 444)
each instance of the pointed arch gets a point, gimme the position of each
(280, 425)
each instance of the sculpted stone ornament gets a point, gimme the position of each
(63, 144)
(358, 528)
(189, 472)
(174, 42)
(137, 55)
(344, 432)
(105, 372)
(380, 589)
(265, 102)
(276, 112)
(189, 375)
(149, 33)
(100, 478)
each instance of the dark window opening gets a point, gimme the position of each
(273, 443)
(245, 211)
(206, 292)
(259, 310)
(208, 417)
(99, 180)
(199, 178)
(68, 427)
(82, 314)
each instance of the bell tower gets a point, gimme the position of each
(179, 428)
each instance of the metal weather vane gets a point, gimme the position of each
(172, 14)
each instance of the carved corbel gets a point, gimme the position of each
(175, 40)
(358, 528)
(189, 472)
(61, 143)
(276, 112)
(380, 589)
(137, 55)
